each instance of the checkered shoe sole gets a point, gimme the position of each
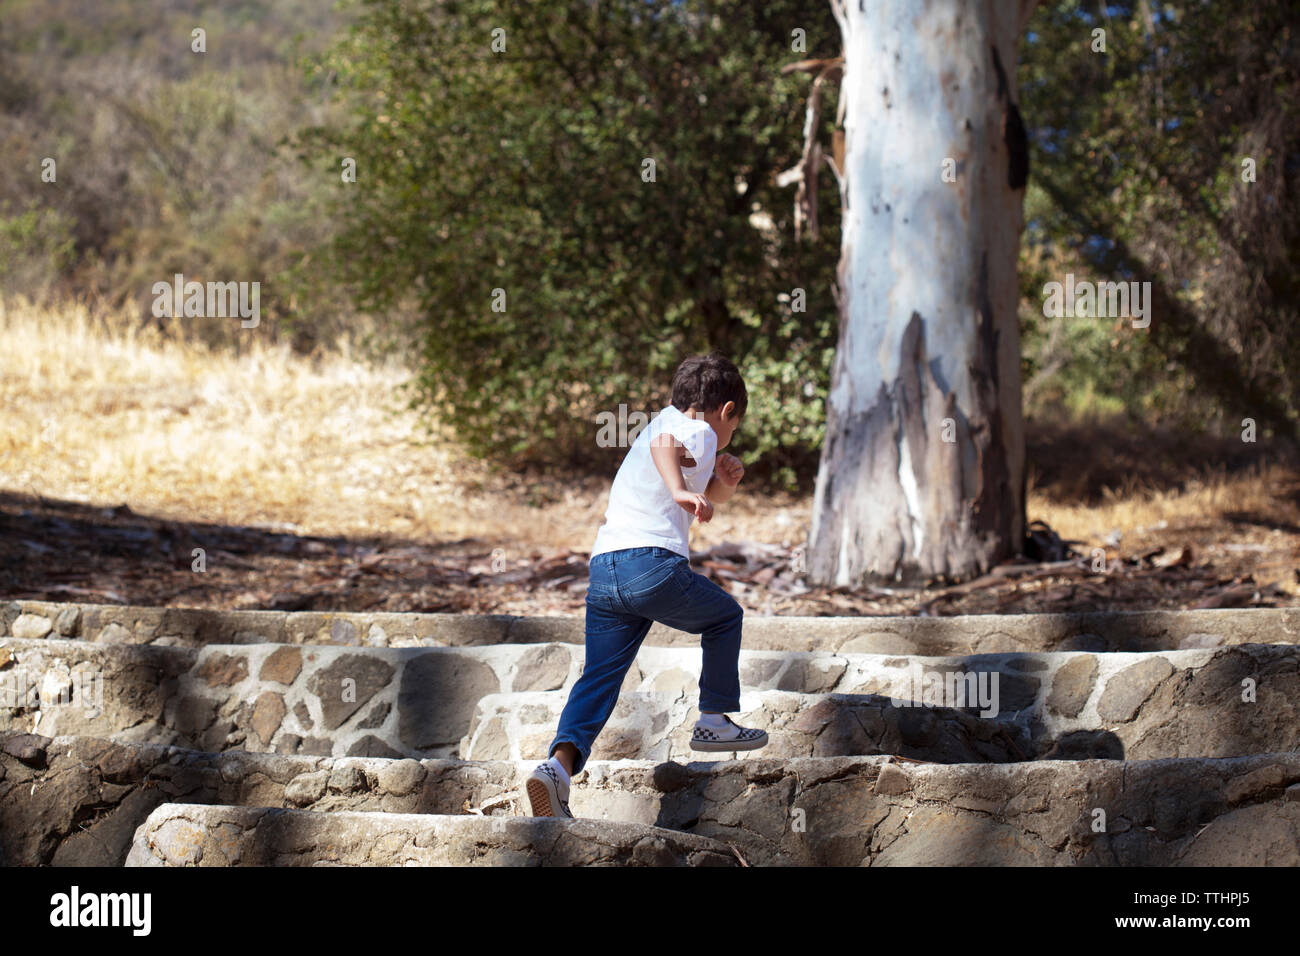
(734, 738)
(543, 792)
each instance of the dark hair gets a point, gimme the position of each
(708, 382)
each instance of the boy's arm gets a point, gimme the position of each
(663, 451)
(718, 491)
(726, 475)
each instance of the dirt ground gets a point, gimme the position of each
(307, 485)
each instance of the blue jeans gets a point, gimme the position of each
(629, 590)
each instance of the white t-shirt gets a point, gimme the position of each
(641, 510)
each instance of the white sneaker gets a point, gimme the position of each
(547, 792)
(729, 737)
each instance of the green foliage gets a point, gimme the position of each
(521, 171)
(1137, 176)
(168, 160)
(36, 245)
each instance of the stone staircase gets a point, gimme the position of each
(147, 736)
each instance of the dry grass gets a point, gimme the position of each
(1156, 488)
(108, 413)
(1201, 500)
(111, 414)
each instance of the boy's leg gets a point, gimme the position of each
(567, 754)
(691, 602)
(612, 641)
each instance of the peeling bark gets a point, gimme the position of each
(929, 341)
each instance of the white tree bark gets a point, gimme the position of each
(929, 344)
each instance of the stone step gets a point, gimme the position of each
(421, 702)
(1051, 706)
(186, 834)
(658, 727)
(78, 801)
(1100, 631)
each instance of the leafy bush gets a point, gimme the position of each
(502, 192)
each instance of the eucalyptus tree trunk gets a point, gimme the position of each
(922, 473)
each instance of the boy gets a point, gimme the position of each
(640, 572)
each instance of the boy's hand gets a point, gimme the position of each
(695, 503)
(728, 469)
